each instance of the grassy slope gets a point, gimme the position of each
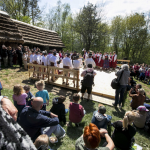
(12, 76)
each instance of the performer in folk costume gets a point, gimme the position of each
(106, 61)
(85, 56)
(114, 60)
(97, 58)
(110, 60)
(100, 61)
(93, 56)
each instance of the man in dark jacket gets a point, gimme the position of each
(58, 108)
(4, 54)
(10, 56)
(33, 120)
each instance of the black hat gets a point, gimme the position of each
(89, 65)
(68, 54)
(102, 109)
(54, 53)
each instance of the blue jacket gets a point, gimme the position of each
(32, 121)
(30, 95)
(100, 120)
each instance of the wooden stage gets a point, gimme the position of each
(102, 91)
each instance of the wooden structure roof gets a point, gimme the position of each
(26, 33)
(9, 30)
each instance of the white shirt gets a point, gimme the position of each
(100, 57)
(38, 59)
(48, 59)
(53, 59)
(67, 62)
(31, 58)
(35, 58)
(76, 64)
(115, 57)
(90, 61)
(45, 61)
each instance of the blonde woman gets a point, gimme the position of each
(19, 98)
(123, 136)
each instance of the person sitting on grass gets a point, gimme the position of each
(42, 93)
(137, 99)
(58, 108)
(29, 95)
(91, 139)
(36, 121)
(42, 142)
(100, 119)
(123, 136)
(19, 98)
(140, 118)
(77, 111)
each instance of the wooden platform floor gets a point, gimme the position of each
(102, 82)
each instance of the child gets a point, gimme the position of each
(42, 93)
(42, 142)
(1, 87)
(100, 119)
(58, 108)
(77, 112)
(19, 98)
(29, 95)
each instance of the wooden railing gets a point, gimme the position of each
(128, 61)
(51, 75)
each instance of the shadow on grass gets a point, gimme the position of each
(119, 112)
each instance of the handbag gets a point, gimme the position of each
(115, 82)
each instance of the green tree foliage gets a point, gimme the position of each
(23, 10)
(86, 24)
(130, 36)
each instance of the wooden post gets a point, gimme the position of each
(29, 70)
(78, 80)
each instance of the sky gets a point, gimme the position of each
(111, 8)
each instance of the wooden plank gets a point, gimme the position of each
(41, 72)
(103, 95)
(123, 60)
(64, 69)
(63, 77)
(61, 85)
(99, 99)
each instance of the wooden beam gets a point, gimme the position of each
(123, 60)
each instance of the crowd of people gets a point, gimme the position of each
(33, 123)
(141, 72)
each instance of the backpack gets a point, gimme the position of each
(88, 79)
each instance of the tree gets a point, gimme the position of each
(86, 24)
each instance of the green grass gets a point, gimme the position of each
(72, 133)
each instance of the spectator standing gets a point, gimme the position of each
(24, 58)
(77, 111)
(19, 98)
(19, 53)
(14, 57)
(5, 55)
(42, 93)
(123, 84)
(29, 95)
(88, 80)
(10, 56)
(100, 119)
